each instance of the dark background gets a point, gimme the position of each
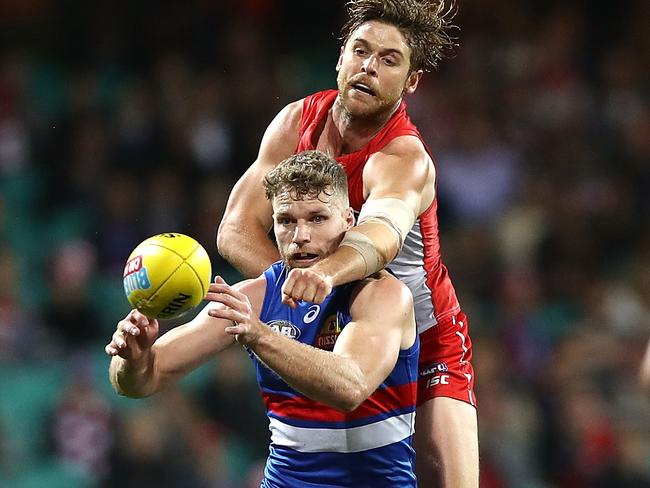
(121, 119)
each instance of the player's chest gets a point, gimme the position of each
(316, 325)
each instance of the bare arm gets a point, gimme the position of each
(644, 370)
(364, 354)
(242, 239)
(140, 368)
(403, 170)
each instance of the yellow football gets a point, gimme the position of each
(166, 275)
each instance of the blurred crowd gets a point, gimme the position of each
(119, 120)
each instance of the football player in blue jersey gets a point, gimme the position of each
(338, 378)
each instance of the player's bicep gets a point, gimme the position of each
(403, 170)
(382, 318)
(247, 203)
(373, 348)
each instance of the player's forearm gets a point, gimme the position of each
(247, 248)
(644, 372)
(373, 248)
(135, 379)
(320, 375)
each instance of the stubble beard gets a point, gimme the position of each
(376, 113)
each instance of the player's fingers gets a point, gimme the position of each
(289, 300)
(293, 287)
(110, 349)
(311, 291)
(226, 299)
(228, 290)
(321, 293)
(228, 314)
(119, 340)
(128, 327)
(219, 281)
(153, 327)
(223, 289)
(317, 297)
(140, 319)
(237, 329)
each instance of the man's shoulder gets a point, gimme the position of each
(403, 161)
(406, 147)
(291, 115)
(380, 288)
(311, 99)
(292, 111)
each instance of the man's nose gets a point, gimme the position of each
(301, 234)
(369, 66)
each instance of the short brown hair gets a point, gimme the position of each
(307, 174)
(425, 25)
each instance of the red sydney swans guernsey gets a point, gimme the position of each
(419, 264)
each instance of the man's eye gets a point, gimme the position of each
(359, 52)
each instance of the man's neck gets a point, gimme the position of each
(355, 132)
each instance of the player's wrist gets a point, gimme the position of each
(341, 267)
(325, 271)
(138, 363)
(253, 337)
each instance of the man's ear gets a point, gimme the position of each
(340, 60)
(349, 219)
(412, 81)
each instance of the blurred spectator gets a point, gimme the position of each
(479, 172)
(230, 399)
(70, 313)
(145, 455)
(121, 218)
(210, 133)
(23, 336)
(82, 424)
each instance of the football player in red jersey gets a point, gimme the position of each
(387, 45)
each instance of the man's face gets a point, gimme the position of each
(310, 229)
(373, 69)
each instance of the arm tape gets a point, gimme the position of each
(392, 212)
(364, 246)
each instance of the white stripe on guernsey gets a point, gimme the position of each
(354, 439)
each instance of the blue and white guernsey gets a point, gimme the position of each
(313, 445)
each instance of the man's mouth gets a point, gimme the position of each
(304, 257)
(363, 88)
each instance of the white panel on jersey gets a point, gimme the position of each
(354, 439)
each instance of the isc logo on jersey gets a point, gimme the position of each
(285, 328)
(135, 276)
(328, 333)
(435, 369)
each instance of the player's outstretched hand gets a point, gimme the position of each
(134, 336)
(305, 284)
(236, 308)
